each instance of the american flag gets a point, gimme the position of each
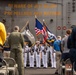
(38, 27)
(42, 29)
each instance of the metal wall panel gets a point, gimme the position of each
(19, 12)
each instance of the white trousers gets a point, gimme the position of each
(45, 60)
(53, 58)
(38, 60)
(31, 60)
(42, 58)
(25, 59)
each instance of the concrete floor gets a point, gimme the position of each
(40, 71)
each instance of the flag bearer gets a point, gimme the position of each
(42, 53)
(45, 56)
(38, 58)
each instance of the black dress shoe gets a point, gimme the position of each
(44, 67)
(53, 68)
(56, 72)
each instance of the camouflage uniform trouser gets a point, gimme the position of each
(18, 56)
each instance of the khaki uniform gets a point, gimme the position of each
(16, 43)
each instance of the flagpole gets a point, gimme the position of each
(35, 16)
(44, 22)
(24, 26)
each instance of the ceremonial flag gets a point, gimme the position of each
(38, 27)
(28, 36)
(45, 33)
(48, 35)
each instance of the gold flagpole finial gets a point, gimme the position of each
(35, 16)
(43, 20)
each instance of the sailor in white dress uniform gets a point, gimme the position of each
(45, 57)
(38, 57)
(26, 50)
(31, 57)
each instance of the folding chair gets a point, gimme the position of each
(68, 67)
(62, 68)
(12, 66)
(3, 69)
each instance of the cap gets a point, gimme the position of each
(38, 42)
(16, 28)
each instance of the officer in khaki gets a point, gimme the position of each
(16, 43)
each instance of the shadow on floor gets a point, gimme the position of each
(43, 74)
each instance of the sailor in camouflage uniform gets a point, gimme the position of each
(16, 43)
